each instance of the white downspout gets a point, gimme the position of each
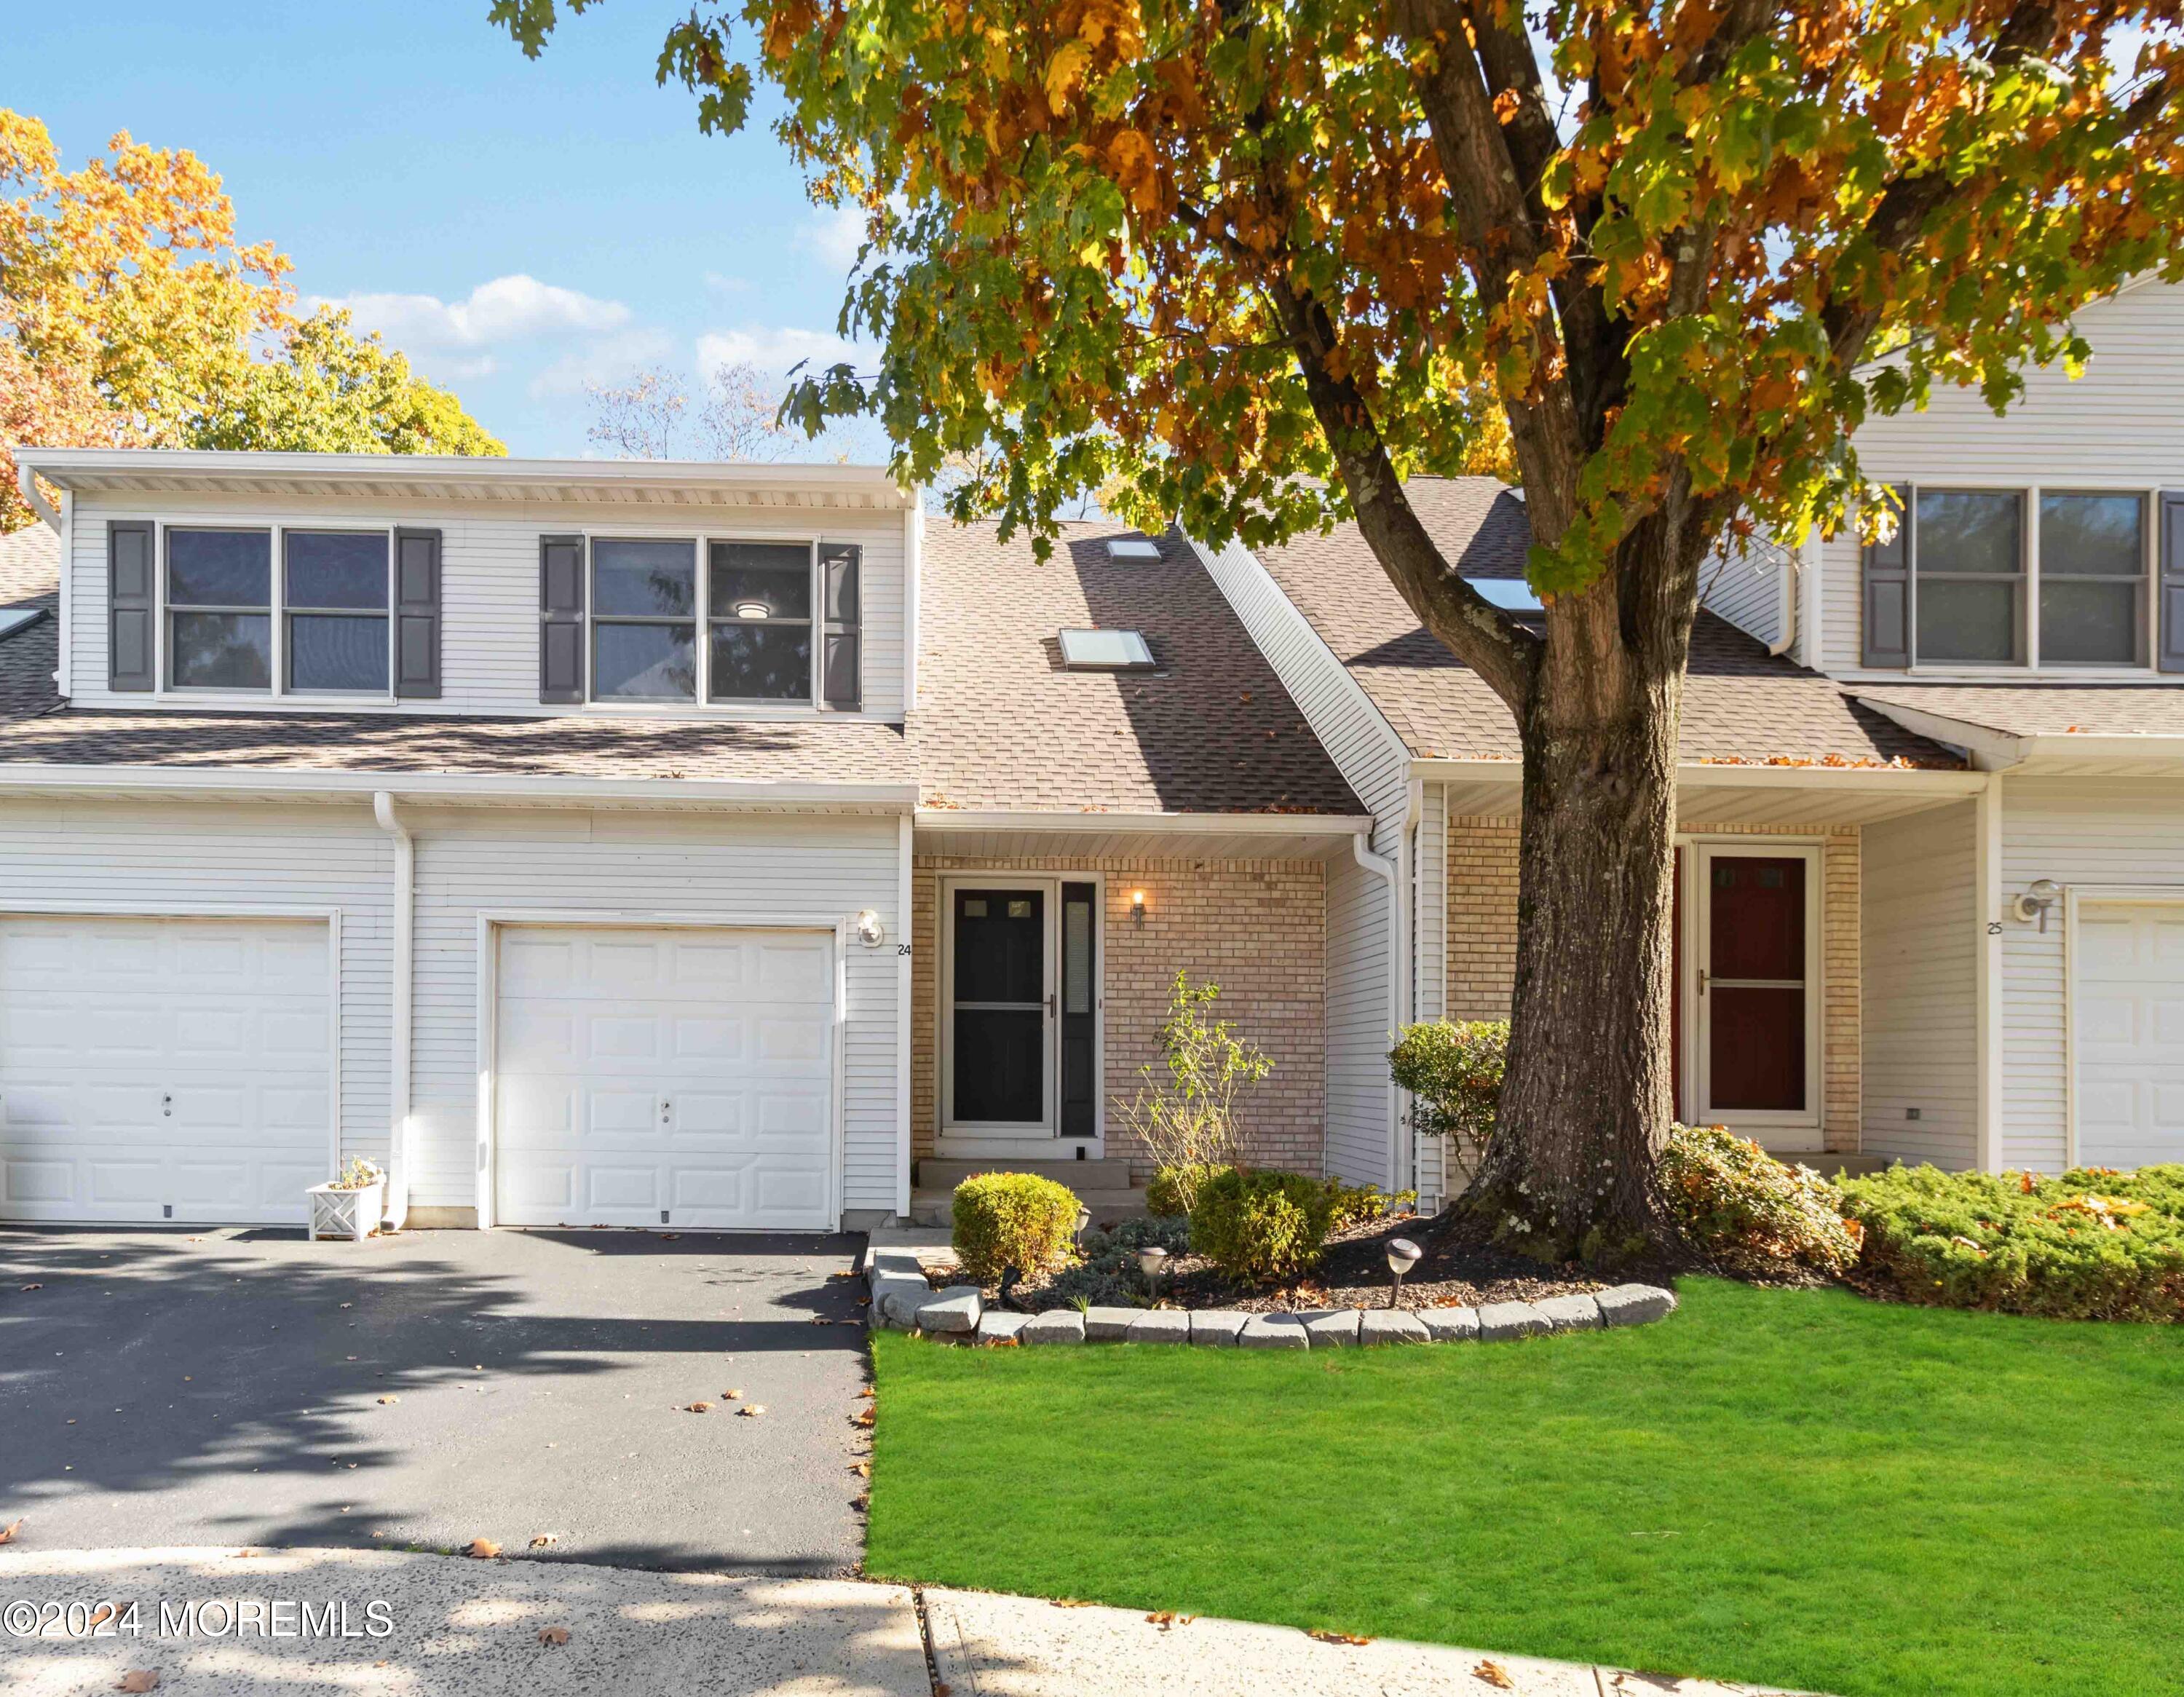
(1986, 855)
(905, 967)
(1381, 867)
(1793, 570)
(405, 881)
(27, 481)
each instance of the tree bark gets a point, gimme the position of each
(1572, 1170)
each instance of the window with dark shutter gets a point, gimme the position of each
(334, 593)
(1887, 592)
(561, 619)
(130, 549)
(417, 615)
(758, 598)
(840, 565)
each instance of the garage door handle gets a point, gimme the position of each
(167, 1103)
(666, 1108)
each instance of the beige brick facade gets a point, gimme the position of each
(1257, 928)
(1482, 944)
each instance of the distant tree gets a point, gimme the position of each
(130, 315)
(737, 417)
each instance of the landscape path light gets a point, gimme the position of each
(1403, 1255)
(1151, 1259)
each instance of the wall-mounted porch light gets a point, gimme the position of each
(1137, 907)
(2040, 895)
(870, 932)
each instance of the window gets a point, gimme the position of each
(644, 620)
(220, 609)
(1969, 558)
(1133, 550)
(2093, 579)
(335, 595)
(759, 606)
(1105, 651)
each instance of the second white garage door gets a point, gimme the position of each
(2129, 1025)
(678, 1078)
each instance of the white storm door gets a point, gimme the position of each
(156, 1069)
(678, 1076)
(2127, 1020)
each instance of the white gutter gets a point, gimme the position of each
(447, 786)
(27, 481)
(1728, 775)
(1180, 824)
(1993, 750)
(405, 916)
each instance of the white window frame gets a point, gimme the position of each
(649, 706)
(983, 1138)
(1789, 1132)
(285, 611)
(276, 531)
(2082, 671)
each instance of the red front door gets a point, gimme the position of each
(1752, 982)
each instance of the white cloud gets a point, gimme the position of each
(511, 308)
(774, 349)
(611, 358)
(833, 234)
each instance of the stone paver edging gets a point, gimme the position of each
(903, 1301)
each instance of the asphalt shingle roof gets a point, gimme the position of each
(30, 576)
(1001, 725)
(2043, 709)
(1740, 702)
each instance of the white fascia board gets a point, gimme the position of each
(1726, 775)
(450, 786)
(66, 467)
(1182, 824)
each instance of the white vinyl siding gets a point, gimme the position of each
(194, 857)
(1921, 948)
(503, 861)
(489, 596)
(1361, 1127)
(2088, 835)
(2116, 427)
(1746, 590)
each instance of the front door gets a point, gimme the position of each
(1002, 1007)
(1756, 992)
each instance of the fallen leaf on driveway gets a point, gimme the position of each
(33, 1287)
(701, 1408)
(1494, 1674)
(1166, 1618)
(863, 1417)
(553, 1634)
(482, 1548)
(1071, 1603)
(390, 1399)
(733, 1394)
(1335, 1637)
(867, 1390)
(751, 1411)
(863, 1469)
(242, 1556)
(138, 1680)
(7, 1532)
(544, 1538)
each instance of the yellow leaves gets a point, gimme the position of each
(2110, 1211)
(1506, 106)
(1493, 1673)
(787, 23)
(482, 1549)
(1065, 72)
(1131, 162)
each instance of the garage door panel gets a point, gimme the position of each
(700, 1065)
(107, 1022)
(2127, 1014)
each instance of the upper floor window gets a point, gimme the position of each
(220, 609)
(336, 596)
(2002, 577)
(619, 619)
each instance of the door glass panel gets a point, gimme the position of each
(1077, 957)
(1756, 923)
(998, 952)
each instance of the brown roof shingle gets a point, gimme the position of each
(2044, 709)
(1740, 702)
(30, 577)
(1001, 725)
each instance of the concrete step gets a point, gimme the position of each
(929, 1207)
(935, 1172)
(1846, 1165)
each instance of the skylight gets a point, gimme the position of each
(1133, 550)
(1511, 594)
(1105, 651)
(14, 618)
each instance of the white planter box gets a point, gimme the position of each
(350, 1214)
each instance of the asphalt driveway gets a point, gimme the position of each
(244, 1386)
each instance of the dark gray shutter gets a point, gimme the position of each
(1887, 594)
(2169, 643)
(840, 686)
(131, 641)
(417, 615)
(561, 619)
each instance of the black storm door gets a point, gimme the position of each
(1001, 1007)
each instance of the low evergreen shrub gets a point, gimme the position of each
(1261, 1227)
(2092, 1245)
(1173, 1189)
(1011, 1220)
(1360, 1204)
(1748, 1212)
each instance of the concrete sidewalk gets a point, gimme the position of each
(437, 1626)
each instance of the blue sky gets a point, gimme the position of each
(518, 227)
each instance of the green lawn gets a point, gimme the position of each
(1797, 1486)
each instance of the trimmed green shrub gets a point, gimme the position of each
(2092, 1245)
(1747, 1211)
(1359, 1204)
(1174, 1189)
(1011, 1220)
(1453, 1070)
(1260, 1227)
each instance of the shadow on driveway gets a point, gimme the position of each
(172, 1386)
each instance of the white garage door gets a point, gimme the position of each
(163, 1069)
(2129, 1024)
(648, 1077)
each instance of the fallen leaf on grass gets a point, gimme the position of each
(544, 1538)
(484, 1549)
(7, 1532)
(138, 1680)
(1166, 1618)
(751, 1411)
(553, 1634)
(1494, 1674)
(1326, 1636)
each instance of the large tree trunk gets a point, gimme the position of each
(1572, 1170)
